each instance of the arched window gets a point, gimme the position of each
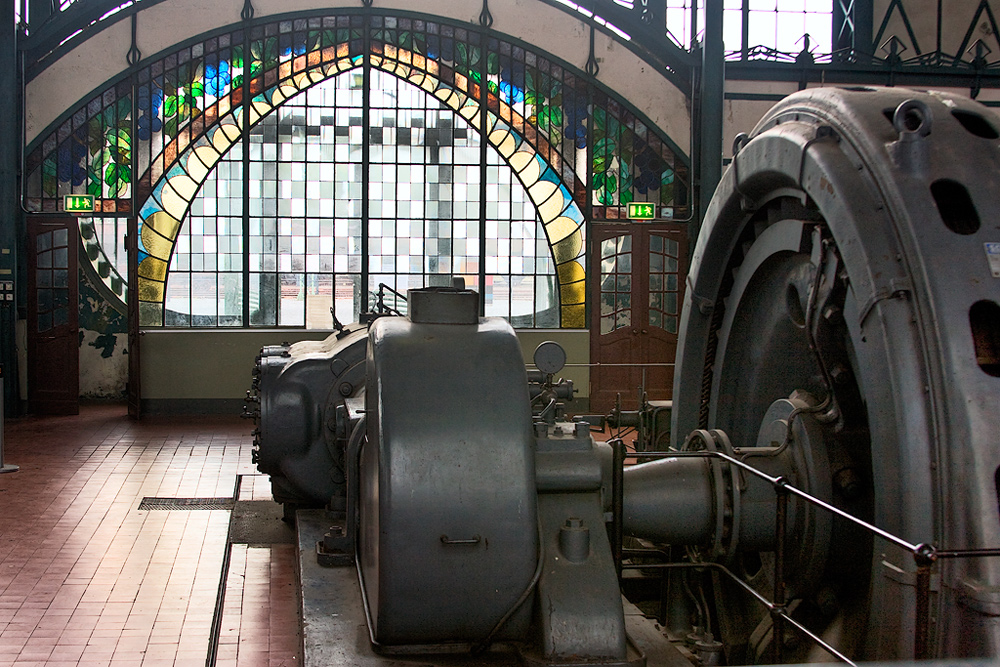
(525, 147)
(307, 222)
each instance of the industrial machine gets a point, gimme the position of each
(829, 491)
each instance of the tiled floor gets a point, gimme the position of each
(88, 579)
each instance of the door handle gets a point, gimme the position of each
(635, 332)
(644, 332)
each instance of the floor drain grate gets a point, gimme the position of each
(186, 504)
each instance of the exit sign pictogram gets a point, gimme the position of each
(78, 203)
(641, 211)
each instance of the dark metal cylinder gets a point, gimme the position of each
(670, 501)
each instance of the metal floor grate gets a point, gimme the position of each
(149, 503)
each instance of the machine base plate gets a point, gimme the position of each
(335, 631)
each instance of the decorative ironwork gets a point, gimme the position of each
(134, 55)
(485, 17)
(853, 58)
(592, 65)
(248, 10)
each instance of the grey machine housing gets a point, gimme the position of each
(476, 523)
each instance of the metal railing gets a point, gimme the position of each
(924, 554)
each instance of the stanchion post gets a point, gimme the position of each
(4, 467)
(777, 621)
(617, 502)
(924, 556)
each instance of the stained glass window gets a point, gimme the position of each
(533, 147)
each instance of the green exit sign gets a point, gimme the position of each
(641, 211)
(78, 203)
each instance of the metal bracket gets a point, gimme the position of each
(134, 55)
(898, 288)
(823, 133)
(592, 67)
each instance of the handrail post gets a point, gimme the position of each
(780, 524)
(924, 556)
(617, 502)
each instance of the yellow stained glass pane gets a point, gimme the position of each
(574, 317)
(208, 155)
(561, 228)
(156, 245)
(152, 268)
(173, 203)
(164, 225)
(570, 272)
(543, 190)
(531, 171)
(521, 158)
(194, 167)
(552, 207)
(150, 290)
(185, 186)
(573, 293)
(569, 248)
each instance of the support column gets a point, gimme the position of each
(711, 89)
(39, 11)
(10, 210)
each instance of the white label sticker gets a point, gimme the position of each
(993, 257)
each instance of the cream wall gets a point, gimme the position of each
(214, 366)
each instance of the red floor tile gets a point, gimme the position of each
(88, 579)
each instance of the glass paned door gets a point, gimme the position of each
(53, 313)
(636, 313)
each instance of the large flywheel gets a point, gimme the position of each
(844, 271)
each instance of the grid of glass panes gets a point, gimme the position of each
(679, 23)
(520, 277)
(616, 283)
(111, 235)
(777, 24)
(663, 282)
(781, 24)
(205, 287)
(305, 212)
(424, 181)
(305, 208)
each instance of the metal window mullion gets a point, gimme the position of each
(745, 28)
(588, 208)
(132, 221)
(365, 157)
(483, 147)
(246, 190)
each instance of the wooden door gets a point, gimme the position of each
(53, 316)
(637, 291)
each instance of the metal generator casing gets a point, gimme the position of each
(299, 387)
(448, 509)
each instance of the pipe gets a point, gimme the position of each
(670, 500)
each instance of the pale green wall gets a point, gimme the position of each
(215, 365)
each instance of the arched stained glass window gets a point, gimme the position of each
(305, 238)
(526, 134)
